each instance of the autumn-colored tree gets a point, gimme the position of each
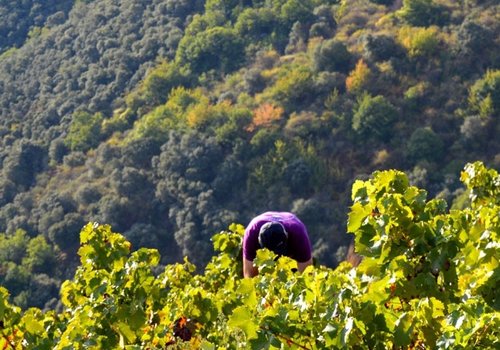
(358, 78)
(265, 115)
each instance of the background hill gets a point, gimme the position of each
(169, 120)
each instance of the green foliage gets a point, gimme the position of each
(380, 47)
(484, 95)
(85, 131)
(374, 117)
(41, 257)
(297, 11)
(23, 20)
(8, 53)
(420, 42)
(424, 144)
(292, 88)
(24, 160)
(422, 13)
(22, 261)
(236, 120)
(256, 23)
(13, 248)
(482, 183)
(331, 55)
(428, 278)
(160, 81)
(414, 96)
(214, 48)
(171, 115)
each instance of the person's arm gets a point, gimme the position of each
(299, 243)
(302, 265)
(249, 269)
(250, 246)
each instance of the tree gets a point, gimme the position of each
(186, 170)
(381, 48)
(325, 23)
(139, 152)
(425, 144)
(256, 24)
(24, 161)
(265, 115)
(214, 48)
(484, 94)
(7, 191)
(294, 11)
(64, 233)
(85, 131)
(299, 177)
(40, 256)
(57, 150)
(132, 183)
(423, 13)
(44, 292)
(13, 247)
(359, 78)
(297, 38)
(191, 156)
(293, 88)
(472, 39)
(161, 81)
(420, 42)
(331, 55)
(374, 117)
(118, 211)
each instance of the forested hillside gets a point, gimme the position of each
(22, 20)
(171, 119)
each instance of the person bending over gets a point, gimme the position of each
(281, 232)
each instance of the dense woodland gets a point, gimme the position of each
(171, 119)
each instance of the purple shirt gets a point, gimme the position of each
(299, 246)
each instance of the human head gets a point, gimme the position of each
(273, 236)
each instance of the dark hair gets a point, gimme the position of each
(273, 236)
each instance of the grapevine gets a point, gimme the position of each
(428, 279)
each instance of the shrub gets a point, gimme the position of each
(422, 13)
(374, 117)
(425, 144)
(381, 48)
(359, 78)
(484, 95)
(84, 132)
(420, 42)
(331, 55)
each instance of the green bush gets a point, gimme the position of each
(484, 95)
(425, 144)
(374, 117)
(423, 13)
(84, 131)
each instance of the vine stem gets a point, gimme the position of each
(288, 340)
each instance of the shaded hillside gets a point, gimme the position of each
(102, 50)
(24, 19)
